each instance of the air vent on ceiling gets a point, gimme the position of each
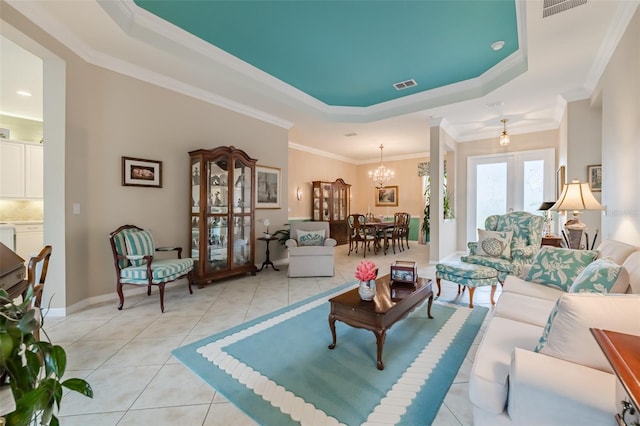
(405, 84)
(552, 7)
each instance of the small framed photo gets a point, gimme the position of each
(594, 177)
(403, 271)
(139, 172)
(387, 196)
(268, 187)
(5, 133)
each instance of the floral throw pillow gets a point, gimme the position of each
(310, 238)
(559, 267)
(495, 243)
(601, 276)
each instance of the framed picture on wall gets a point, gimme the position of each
(387, 196)
(594, 177)
(268, 187)
(139, 172)
(559, 181)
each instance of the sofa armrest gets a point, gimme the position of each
(551, 391)
(330, 242)
(290, 243)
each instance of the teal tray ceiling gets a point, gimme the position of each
(350, 53)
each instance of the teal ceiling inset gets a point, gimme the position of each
(351, 52)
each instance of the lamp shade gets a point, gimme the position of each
(576, 196)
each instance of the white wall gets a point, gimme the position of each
(620, 93)
(584, 143)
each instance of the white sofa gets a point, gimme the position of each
(312, 260)
(569, 381)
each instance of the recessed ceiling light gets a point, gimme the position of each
(495, 104)
(497, 45)
(350, 134)
(23, 93)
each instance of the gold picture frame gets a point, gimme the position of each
(387, 196)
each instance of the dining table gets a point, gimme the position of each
(378, 229)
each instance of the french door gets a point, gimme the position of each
(501, 183)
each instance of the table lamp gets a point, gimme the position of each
(576, 197)
(546, 208)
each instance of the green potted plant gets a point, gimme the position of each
(33, 368)
(283, 234)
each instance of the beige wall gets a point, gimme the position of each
(410, 195)
(305, 167)
(620, 93)
(523, 142)
(108, 116)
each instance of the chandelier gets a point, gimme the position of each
(381, 176)
(504, 137)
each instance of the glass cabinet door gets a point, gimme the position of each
(326, 199)
(242, 237)
(316, 202)
(218, 192)
(217, 242)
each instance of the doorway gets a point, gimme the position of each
(502, 183)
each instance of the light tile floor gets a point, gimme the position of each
(126, 355)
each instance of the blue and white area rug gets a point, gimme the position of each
(278, 368)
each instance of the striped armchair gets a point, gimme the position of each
(133, 255)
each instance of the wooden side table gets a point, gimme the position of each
(551, 240)
(267, 261)
(623, 353)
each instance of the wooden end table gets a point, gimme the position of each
(392, 303)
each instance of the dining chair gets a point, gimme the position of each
(394, 233)
(36, 275)
(358, 233)
(406, 220)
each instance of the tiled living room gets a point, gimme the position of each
(125, 355)
(558, 101)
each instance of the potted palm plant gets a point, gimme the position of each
(32, 368)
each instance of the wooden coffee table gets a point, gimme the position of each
(392, 303)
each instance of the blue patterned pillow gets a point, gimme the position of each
(139, 244)
(559, 267)
(547, 328)
(601, 276)
(310, 238)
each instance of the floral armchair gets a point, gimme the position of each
(520, 232)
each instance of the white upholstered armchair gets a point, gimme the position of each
(311, 250)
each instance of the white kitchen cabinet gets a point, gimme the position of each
(29, 239)
(21, 169)
(34, 171)
(11, 169)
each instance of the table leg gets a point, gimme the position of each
(380, 338)
(429, 306)
(332, 326)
